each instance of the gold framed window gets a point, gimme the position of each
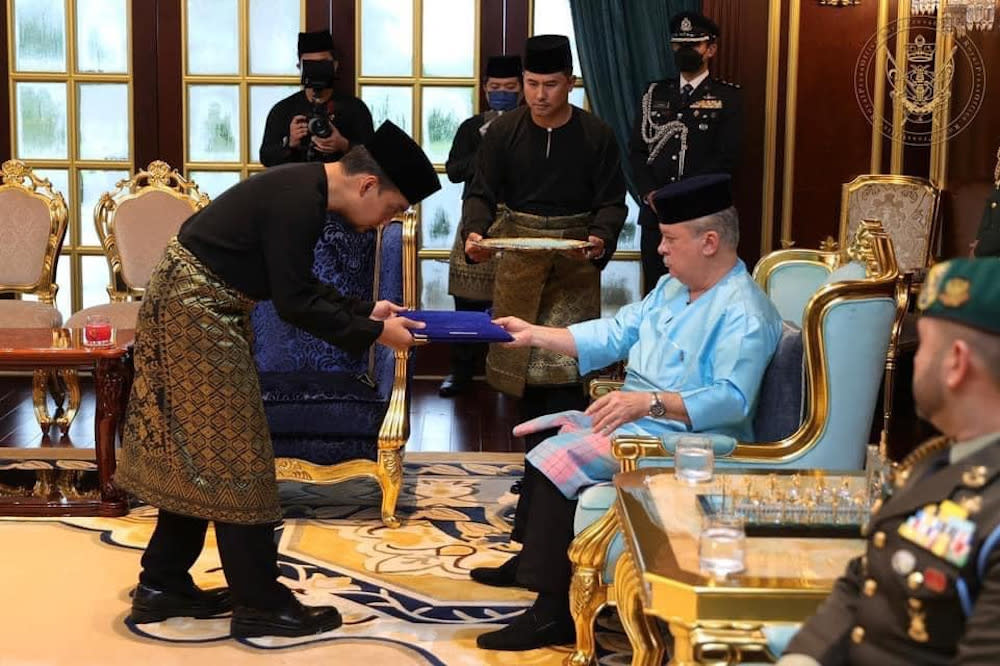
(71, 119)
(239, 59)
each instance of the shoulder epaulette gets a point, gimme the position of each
(727, 83)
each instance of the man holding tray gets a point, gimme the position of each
(927, 589)
(556, 169)
(697, 347)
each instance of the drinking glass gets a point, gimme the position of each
(722, 545)
(97, 331)
(694, 459)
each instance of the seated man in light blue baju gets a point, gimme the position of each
(697, 348)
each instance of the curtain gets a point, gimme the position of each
(623, 45)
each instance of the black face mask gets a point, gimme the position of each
(688, 60)
(318, 74)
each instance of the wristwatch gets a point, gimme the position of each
(656, 408)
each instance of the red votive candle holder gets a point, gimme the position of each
(97, 331)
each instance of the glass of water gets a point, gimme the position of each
(694, 459)
(722, 545)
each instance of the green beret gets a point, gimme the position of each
(965, 291)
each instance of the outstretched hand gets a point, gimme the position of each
(385, 309)
(518, 328)
(474, 251)
(396, 333)
(615, 409)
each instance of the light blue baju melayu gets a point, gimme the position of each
(713, 352)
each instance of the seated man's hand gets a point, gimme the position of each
(396, 333)
(475, 252)
(520, 329)
(615, 409)
(385, 309)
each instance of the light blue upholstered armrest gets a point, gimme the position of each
(722, 445)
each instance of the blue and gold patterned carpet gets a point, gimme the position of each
(405, 594)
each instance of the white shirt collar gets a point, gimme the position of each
(696, 81)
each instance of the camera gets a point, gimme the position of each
(319, 121)
(318, 75)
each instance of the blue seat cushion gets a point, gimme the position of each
(320, 450)
(330, 404)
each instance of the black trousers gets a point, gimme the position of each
(467, 359)
(538, 401)
(249, 559)
(546, 535)
(649, 240)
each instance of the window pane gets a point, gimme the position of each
(553, 17)
(393, 103)
(95, 280)
(40, 36)
(262, 98)
(578, 97)
(440, 214)
(213, 124)
(629, 238)
(214, 183)
(101, 36)
(104, 121)
(60, 183)
(213, 45)
(619, 286)
(274, 31)
(41, 121)
(387, 38)
(434, 285)
(449, 38)
(92, 185)
(444, 109)
(64, 278)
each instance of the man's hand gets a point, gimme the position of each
(650, 201)
(385, 309)
(396, 333)
(595, 251)
(335, 143)
(297, 130)
(520, 329)
(615, 409)
(475, 252)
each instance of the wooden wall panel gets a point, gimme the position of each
(341, 20)
(169, 84)
(833, 137)
(5, 88)
(145, 95)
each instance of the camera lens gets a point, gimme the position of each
(319, 126)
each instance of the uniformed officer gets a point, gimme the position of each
(686, 126)
(927, 589)
(987, 243)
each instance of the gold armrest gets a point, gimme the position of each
(601, 387)
(628, 449)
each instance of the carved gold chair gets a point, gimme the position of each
(908, 209)
(135, 222)
(848, 324)
(33, 219)
(334, 416)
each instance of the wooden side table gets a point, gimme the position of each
(711, 620)
(29, 349)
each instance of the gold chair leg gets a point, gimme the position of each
(588, 593)
(647, 646)
(39, 396)
(390, 479)
(70, 381)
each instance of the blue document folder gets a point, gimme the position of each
(446, 326)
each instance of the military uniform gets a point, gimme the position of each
(988, 238)
(927, 589)
(679, 134)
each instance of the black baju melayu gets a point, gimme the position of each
(350, 116)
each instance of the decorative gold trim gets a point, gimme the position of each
(17, 176)
(647, 646)
(157, 177)
(588, 591)
(848, 189)
(765, 268)
(395, 429)
(941, 116)
(898, 111)
(878, 113)
(770, 126)
(791, 102)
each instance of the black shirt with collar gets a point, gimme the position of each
(351, 117)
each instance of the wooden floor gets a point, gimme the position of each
(478, 421)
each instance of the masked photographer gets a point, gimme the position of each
(315, 124)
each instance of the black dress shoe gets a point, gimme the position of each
(292, 620)
(453, 385)
(531, 630)
(150, 604)
(516, 488)
(504, 575)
